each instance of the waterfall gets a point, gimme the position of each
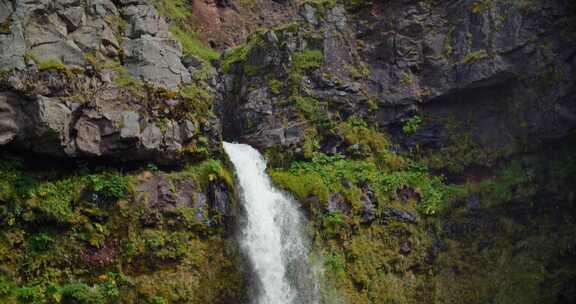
(273, 236)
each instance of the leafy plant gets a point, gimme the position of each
(111, 186)
(308, 59)
(412, 125)
(40, 242)
(81, 293)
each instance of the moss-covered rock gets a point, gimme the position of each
(104, 236)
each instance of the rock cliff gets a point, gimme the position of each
(430, 144)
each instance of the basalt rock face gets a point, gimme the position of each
(97, 79)
(78, 116)
(353, 103)
(504, 70)
(226, 23)
(67, 30)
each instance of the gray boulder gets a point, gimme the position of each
(157, 60)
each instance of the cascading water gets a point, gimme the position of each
(273, 236)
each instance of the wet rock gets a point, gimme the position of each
(192, 62)
(201, 206)
(143, 20)
(400, 215)
(473, 202)
(130, 125)
(12, 41)
(368, 207)
(309, 14)
(219, 200)
(151, 137)
(337, 203)
(434, 61)
(9, 126)
(405, 248)
(166, 197)
(73, 17)
(160, 195)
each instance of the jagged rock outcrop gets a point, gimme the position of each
(505, 70)
(160, 193)
(94, 79)
(47, 115)
(226, 23)
(65, 31)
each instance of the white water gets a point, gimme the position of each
(273, 236)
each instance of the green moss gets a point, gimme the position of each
(191, 45)
(119, 26)
(407, 78)
(334, 171)
(321, 6)
(125, 79)
(179, 13)
(302, 186)
(369, 143)
(311, 109)
(308, 60)
(111, 186)
(448, 48)
(358, 72)
(275, 85)
(481, 6)
(474, 57)
(176, 10)
(412, 125)
(241, 52)
(199, 98)
(49, 64)
(84, 238)
(206, 172)
(5, 27)
(355, 5)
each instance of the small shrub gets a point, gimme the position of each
(159, 300)
(40, 242)
(308, 60)
(191, 45)
(5, 287)
(412, 125)
(336, 263)
(80, 293)
(275, 85)
(111, 186)
(29, 294)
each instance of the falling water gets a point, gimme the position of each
(273, 236)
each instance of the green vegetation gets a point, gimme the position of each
(241, 52)
(487, 253)
(5, 26)
(275, 85)
(474, 57)
(191, 45)
(48, 64)
(460, 151)
(329, 174)
(176, 10)
(412, 125)
(179, 13)
(124, 78)
(407, 78)
(87, 237)
(308, 60)
(480, 6)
